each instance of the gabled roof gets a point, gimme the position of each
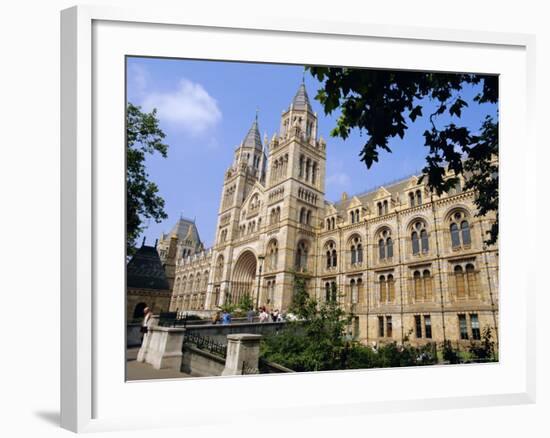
(145, 271)
(301, 99)
(253, 139)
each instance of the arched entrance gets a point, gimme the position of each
(244, 275)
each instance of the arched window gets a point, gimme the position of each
(357, 215)
(460, 230)
(333, 223)
(383, 289)
(428, 283)
(359, 290)
(302, 215)
(411, 199)
(465, 228)
(380, 210)
(301, 256)
(327, 291)
(301, 171)
(381, 249)
(352, 217)
(385, 245)
(356, 250)
(418, 197)
(455, 236)
(418, 289)
(385, 207)
(328, 224)
(424, 240)
(331, 254)
(459, 282)
(415, 243)
(419, 238)
(308, 217)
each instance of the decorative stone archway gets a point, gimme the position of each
(244, 275)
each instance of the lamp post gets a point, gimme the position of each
(261, 259)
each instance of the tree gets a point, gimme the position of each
(383, 103)
(143, 136)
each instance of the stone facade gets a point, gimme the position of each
(400, 258)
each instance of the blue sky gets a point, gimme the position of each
(206, 108)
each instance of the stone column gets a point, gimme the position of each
(243, 351)
(162, 347)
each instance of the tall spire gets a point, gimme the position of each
(301, 99)
(253, 139)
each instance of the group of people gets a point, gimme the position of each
(224, 317)
(273, 316)
(221, 317)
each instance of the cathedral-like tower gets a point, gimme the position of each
(295, 189)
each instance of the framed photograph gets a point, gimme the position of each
(323, 208)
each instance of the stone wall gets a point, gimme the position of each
(200, 363)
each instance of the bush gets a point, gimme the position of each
(484, 350)
(449, 353)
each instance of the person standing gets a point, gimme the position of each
(147, 314)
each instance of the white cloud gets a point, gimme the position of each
(340, 178)
(138, 77)
(188, 107)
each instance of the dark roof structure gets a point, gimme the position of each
(145, 271)
(301, 99)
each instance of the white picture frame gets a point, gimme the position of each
(93, 396)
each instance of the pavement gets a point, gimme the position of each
(143, 371)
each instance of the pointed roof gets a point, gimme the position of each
(301, 99)
(253, 139)
(145, 271)
(186, 229)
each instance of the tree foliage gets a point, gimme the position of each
(143, 136)
(319, 340)
(383, 104)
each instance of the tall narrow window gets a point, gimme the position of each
(389, 247)
(465, 228)
(418, 197)
(334, 258)
(428, 282)
(471, 280)
(474, 322)
(380, 326)
(418, 325)
(459, 282)
(380, 211)
(381, 249)
(463, 327)
(391, 289)
(329, 259)
(386, 207)
(333, 223)
(334, 291)
(455, 236)
(383, 292)
(327, 291)
(359, 253)
(418, 292)
(352, 291)
(415, 243)
(428, 326)
(353, 255)
(424, 240)
(411, 199)
(389, 327)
